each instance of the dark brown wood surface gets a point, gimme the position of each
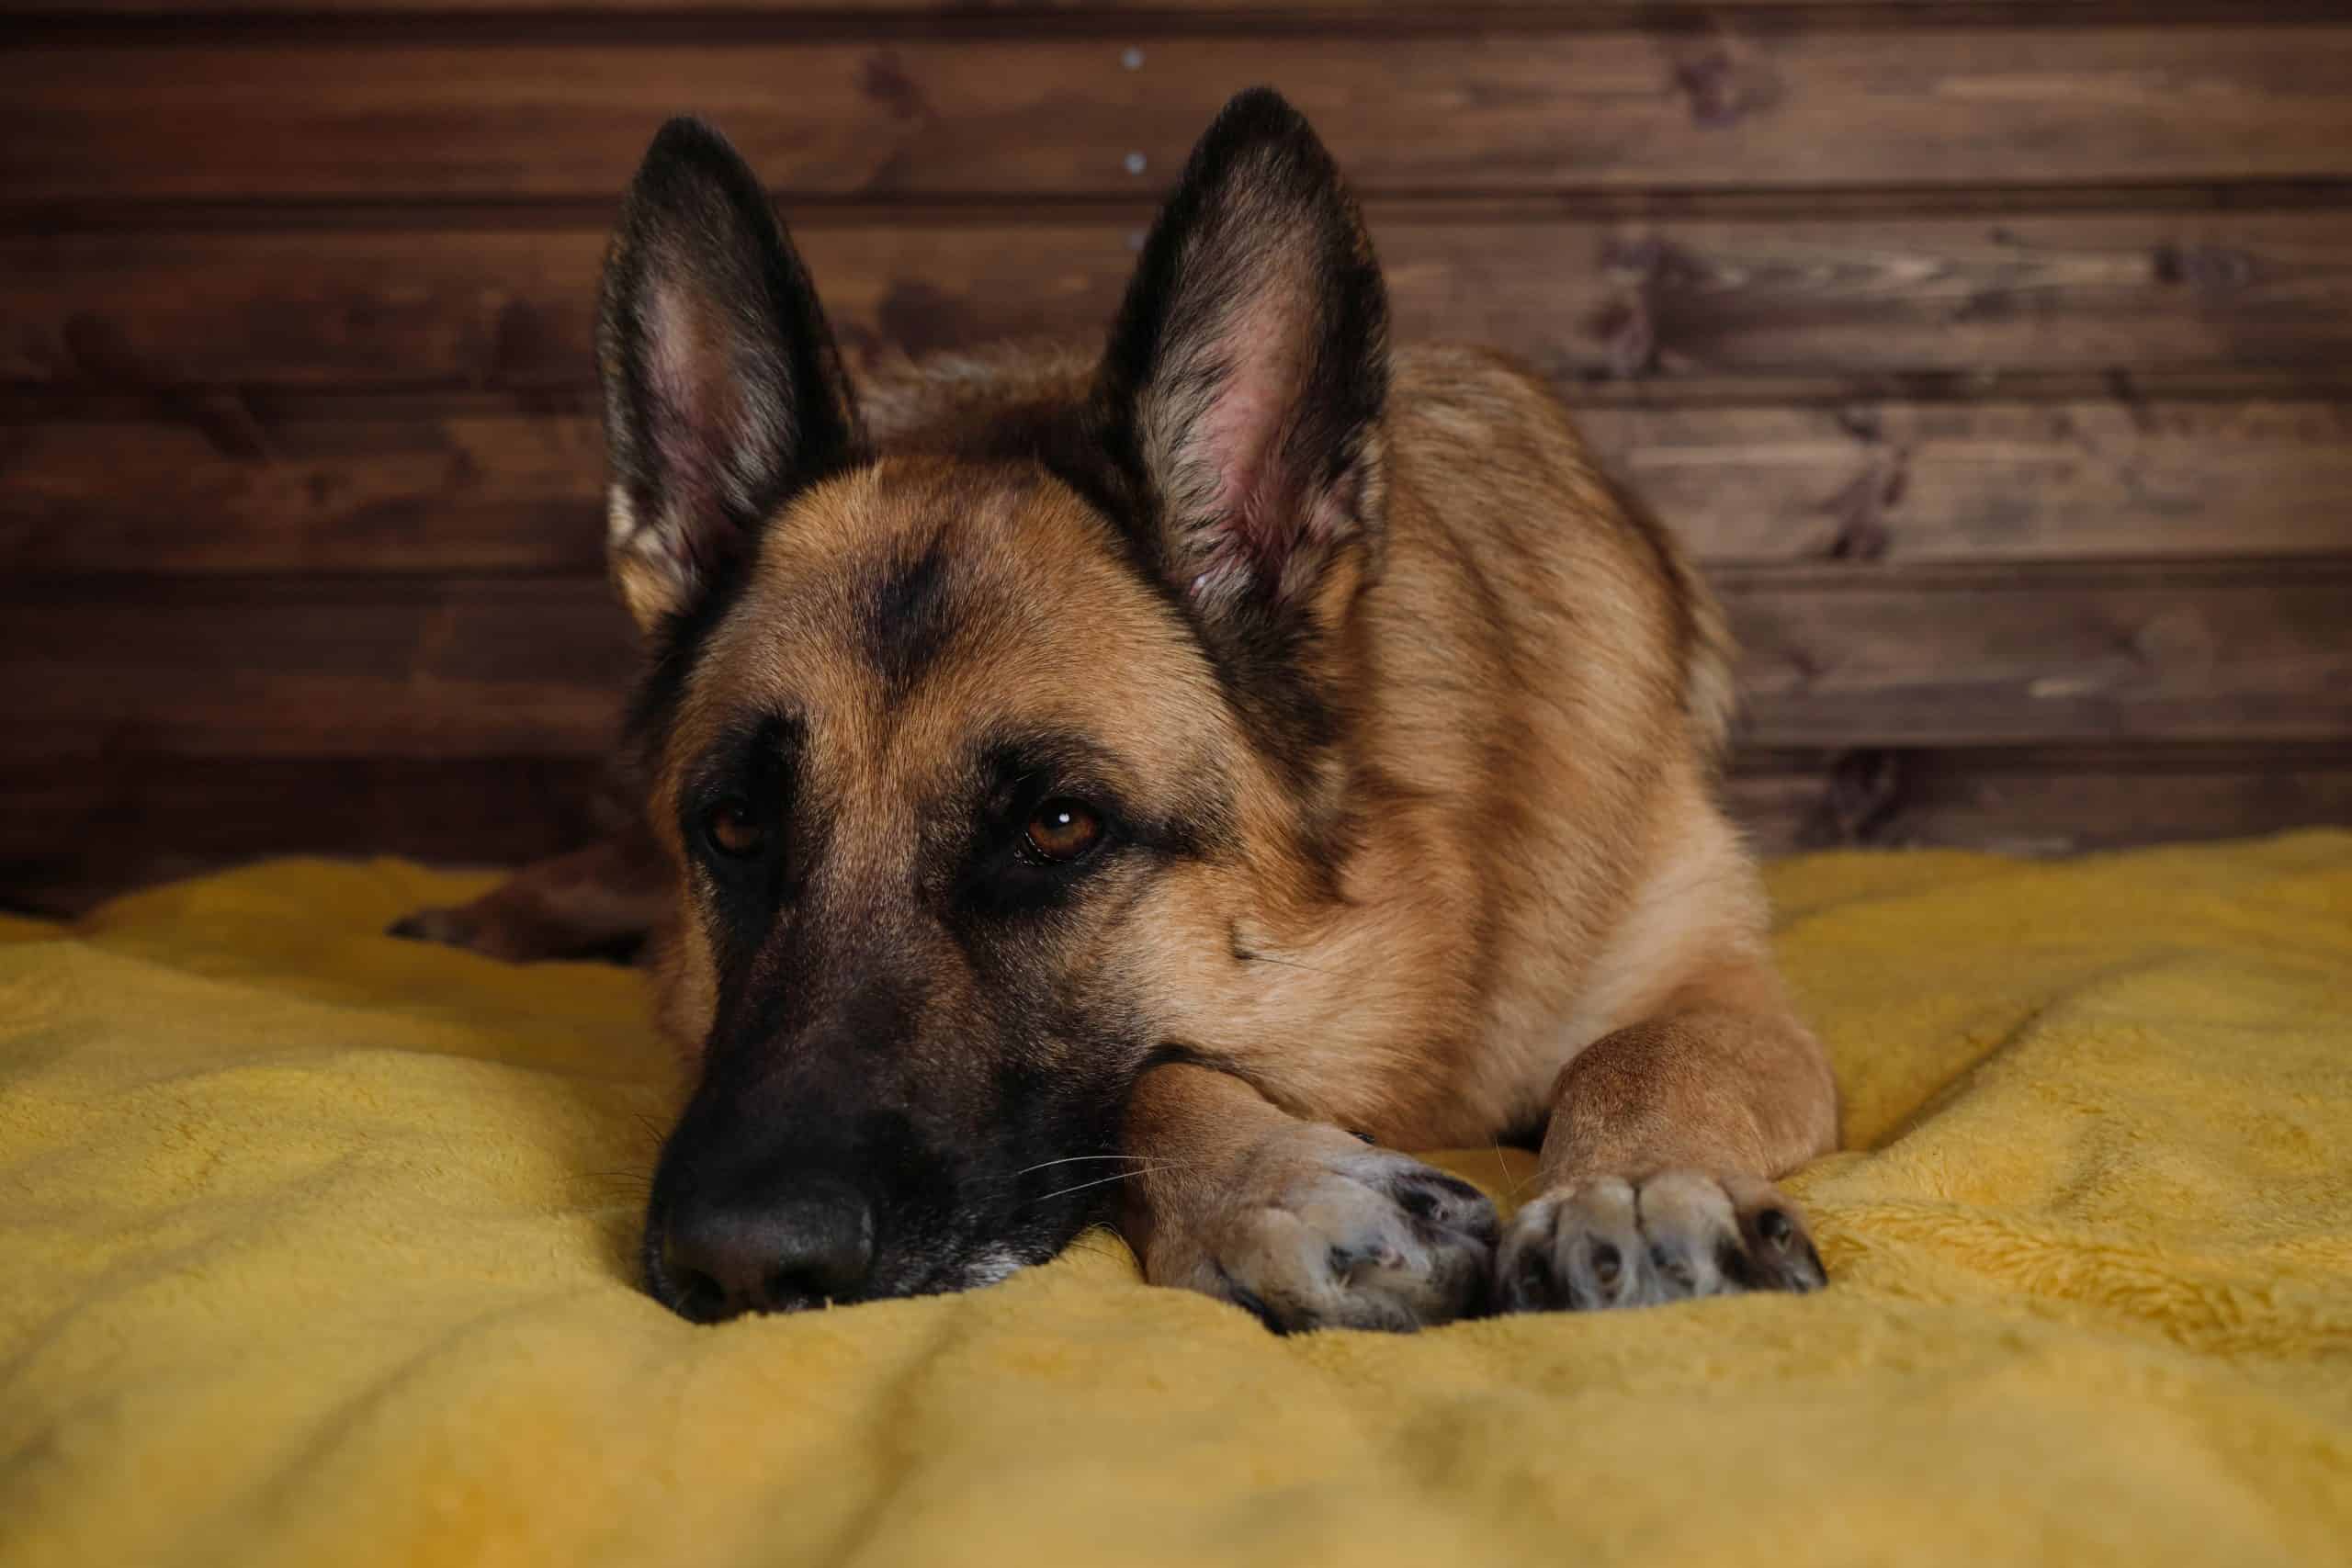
(2035, 801)
(1996, 357)
(382, 118)
(413, 486)
(1852, 301)
(1359, 13)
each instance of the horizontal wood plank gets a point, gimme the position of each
(223, 488)
(1990, 658)
(1848, 303)
(1808, 106)
(1566, 11)
(1833, 657)
(2037, 802)
(73, 833)
(313, 667)
(227, 488)
(1983, 483)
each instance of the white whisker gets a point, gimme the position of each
(1106, 1180)
(1073, 1159)
(1502, 1167)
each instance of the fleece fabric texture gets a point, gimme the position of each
(315, 1247)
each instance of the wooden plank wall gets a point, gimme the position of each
(1997, 358)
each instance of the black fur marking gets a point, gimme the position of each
(907, 616)
(1416, 1201)
(1286, 717)
(758, 763)
(1674, 1265)
(1171, 1054)
(1254, 1306)
(672, 652)
(995, 880)
(1536, 1282)
(1526, 1134)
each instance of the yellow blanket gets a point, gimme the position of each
(314, 1249)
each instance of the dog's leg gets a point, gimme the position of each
(1303, 1225)
(1657, 1166)
(604, 899)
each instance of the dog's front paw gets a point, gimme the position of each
(1610, 1243)
(1324, 1232)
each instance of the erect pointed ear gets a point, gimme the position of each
(1247, 369)
(723, 392)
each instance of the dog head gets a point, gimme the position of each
(978, 740)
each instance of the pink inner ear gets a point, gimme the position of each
(696, 418)
(1238, 437)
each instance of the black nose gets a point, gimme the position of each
(807, 1248)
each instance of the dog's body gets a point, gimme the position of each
(1156, 768)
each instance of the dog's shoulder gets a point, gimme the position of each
(1497, 465)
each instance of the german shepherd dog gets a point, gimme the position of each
(1155, 786)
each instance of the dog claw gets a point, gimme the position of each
(1611, 1243)
(1332, 1234)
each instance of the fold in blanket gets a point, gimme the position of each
(314, 1248)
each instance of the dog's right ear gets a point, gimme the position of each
(1241, 396)
(723, 392)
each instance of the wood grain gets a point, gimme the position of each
(1852, 303)
(1833, 657)
(1996, 357)
(1989, 482)
(400, 487)
(1805, 106)
(222, 487)
(2002, 658)
(2037, 802)
(1360, 11)
(75, 831)
(312, 667)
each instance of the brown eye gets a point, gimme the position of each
(734, 831)
(1063, 831)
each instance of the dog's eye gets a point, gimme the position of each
(734, 831)
(1061, 832)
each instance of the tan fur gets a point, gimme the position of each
(1542, 913)
(1405, 717)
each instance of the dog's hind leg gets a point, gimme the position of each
(596, 902)
(1657, 1166)
(1302, 1224)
